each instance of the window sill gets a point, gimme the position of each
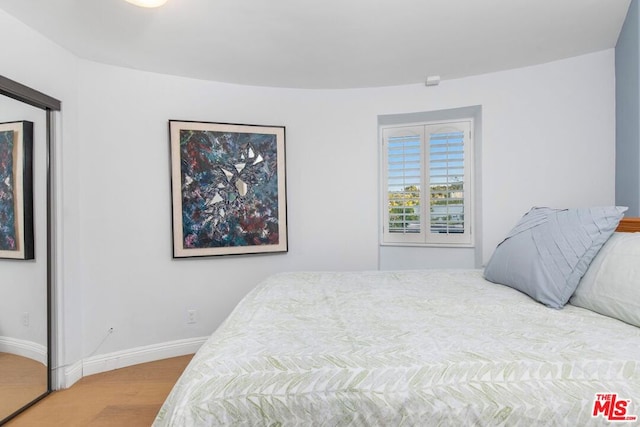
(431, 245)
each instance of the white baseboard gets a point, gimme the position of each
(72, 374)
(65, 376)
(28, 349)
(134, 356)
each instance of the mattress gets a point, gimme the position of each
(405, 348)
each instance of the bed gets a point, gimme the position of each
(433, 347)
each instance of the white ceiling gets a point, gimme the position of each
(328, 43)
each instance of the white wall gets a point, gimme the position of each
(134, 284)
(548, 140)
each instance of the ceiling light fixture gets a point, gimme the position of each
(147, 3)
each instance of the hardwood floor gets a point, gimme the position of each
(125, 397)
(21, 381)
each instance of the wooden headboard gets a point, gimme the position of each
(629, 225)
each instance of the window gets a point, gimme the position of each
(427, 184)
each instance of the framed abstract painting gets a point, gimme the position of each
(228, 189)
(16, 190)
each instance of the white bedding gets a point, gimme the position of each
(404, 348)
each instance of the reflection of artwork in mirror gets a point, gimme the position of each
(228, 188)
(16, 190)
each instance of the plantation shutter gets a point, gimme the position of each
(404, 183)
(447, 177)
(426, 183)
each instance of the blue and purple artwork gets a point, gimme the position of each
(8, 233)
(229, 189)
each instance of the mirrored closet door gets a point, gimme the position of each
(25, 246)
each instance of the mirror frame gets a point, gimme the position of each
(30, 96)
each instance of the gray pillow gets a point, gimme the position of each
(549, 250)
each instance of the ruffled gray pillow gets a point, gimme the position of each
(549, 250)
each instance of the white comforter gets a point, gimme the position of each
(404, 348)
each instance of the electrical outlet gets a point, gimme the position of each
(25, 318)
(192, 316)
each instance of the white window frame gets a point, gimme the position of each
(425, 236)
